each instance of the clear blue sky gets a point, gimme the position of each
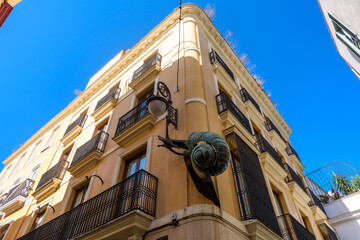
(50, 48)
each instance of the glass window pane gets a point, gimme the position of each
(142, 162)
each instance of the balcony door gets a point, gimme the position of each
(141, 107)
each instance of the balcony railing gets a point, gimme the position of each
(264, 146)
(156, 59)
(97, 143)
(137, 192)
(112, 94)
(315, 201)
(290, 150)
(291, 229)
(215, 57)
(57, 171)
(245, 96)
(80, 121)
(224, 103)
(326, 232)
(131, 117)
(292, 176)
(21, 189)
(271, 126)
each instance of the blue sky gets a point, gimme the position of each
(50, 48)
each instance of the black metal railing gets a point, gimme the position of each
(22, 189)
(215, 57)
(137, 192)
(224, 103)
(271, 126)
(264, 146)
(315, 201)
(112, 94)
(327, 233)
(131, 117)
(245, 96)
(156, 59)
(57, 171)
(252, 193)
(291, 229)
(293, 177)
(80, 121)
(97, 143)
(290, 150)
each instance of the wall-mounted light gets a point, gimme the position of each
(207, 151)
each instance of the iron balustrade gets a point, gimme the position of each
(214, 56)
(315, 201)
(137, 192)
(112, 94)
(156, 59)
(131, 117)
(252, 193)
(57, 171)
(264, 146)
(245, 96)
(22, 189)
(293, 177)
(97, 143)
(290, 150)
(271, 126)
(291, 229)
(224, 103)
(80, 121)
(327, 233)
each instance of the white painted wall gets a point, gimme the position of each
(344, 216)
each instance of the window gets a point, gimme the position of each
(15, 183)
(135, 164)
(101, 127)
(34, 151)
(280, 206)
(34, 171)
(66, 154)
(51, 138)
(3, 231)
(141, 109)
(39, 219)
(346, 35)
(79, 196)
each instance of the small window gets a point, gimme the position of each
(34, 151)
(3, 231)
(135, 164)
(66, 154)
(79, 196)
(51, 138)
(279, 202)
(39, 219)
(34, 171)
(102, 127)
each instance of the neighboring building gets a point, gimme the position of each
(343, 21)
(6, 6)
(95, 171)
(344, 216)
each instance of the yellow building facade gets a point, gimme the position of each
(95, 171)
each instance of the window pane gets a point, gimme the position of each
(142, 162)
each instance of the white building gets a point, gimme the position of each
(343, 21)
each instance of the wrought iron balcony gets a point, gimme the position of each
(315, 201)
(292, 176)
(271, 126)
(113, 94)
(131, 117)
(327, 233)
(80, 121)
(89, 153)
(291, 229)
(290, 151)
(264, 146)
(224, 103)
(214, 57)
(135, 193)
(154, 60)
(15, 198)
(245, 96)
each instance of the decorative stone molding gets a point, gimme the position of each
(14, 205)
(104, 109)
(71, 135)
(298, 193)
(47, 190)
(85, 164)
(272, 167)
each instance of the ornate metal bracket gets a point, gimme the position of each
(48, 205)
(89, 177)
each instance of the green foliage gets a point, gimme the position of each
(355, 182)
(342, 185)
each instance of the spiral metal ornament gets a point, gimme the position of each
(209, 152)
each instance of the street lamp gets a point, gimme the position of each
(206, 153)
